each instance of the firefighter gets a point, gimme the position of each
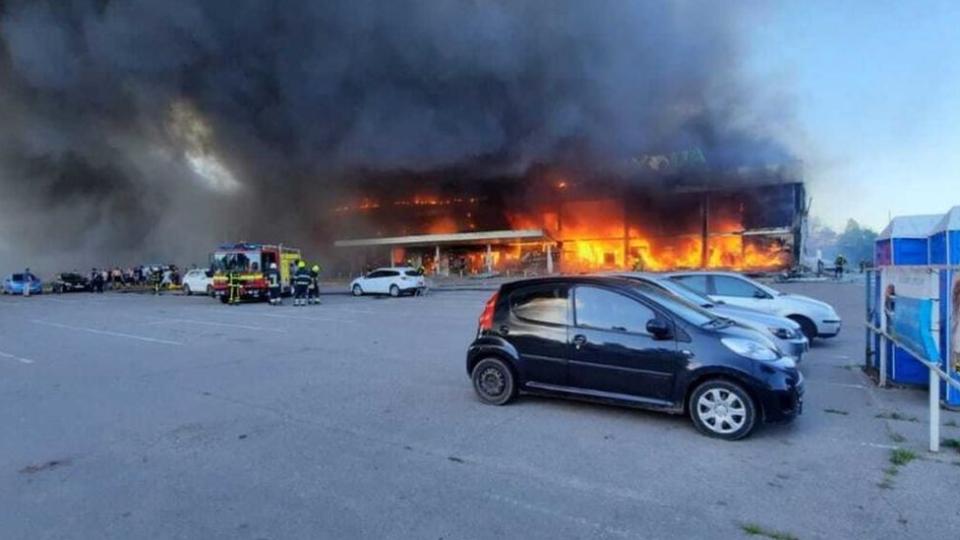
(838, 264)
(301, 283)
(234, 285)
(314, 290)
(273, 282)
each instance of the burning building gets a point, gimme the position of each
(550, 220)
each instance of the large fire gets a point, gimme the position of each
(583, 235)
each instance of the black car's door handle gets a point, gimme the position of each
(579, 340)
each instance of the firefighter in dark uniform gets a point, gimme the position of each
(273, 282)
(313, 293)
(301, 283)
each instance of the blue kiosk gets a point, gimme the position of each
(945, 255)
(904, 242)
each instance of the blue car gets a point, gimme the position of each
(14, 284)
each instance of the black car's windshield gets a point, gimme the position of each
(686, 310)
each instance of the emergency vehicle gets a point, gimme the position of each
(249, 263)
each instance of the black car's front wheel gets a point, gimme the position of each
(493, 381)
(722, 409)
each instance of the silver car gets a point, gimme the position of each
(786, 333)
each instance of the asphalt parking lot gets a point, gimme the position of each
(132, 416)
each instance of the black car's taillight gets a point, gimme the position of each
(486, 318)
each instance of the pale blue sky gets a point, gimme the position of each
(876, 89)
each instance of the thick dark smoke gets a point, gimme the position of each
(103, 103)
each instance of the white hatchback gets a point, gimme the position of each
(392, 281)
(816, 318)
(197, 281)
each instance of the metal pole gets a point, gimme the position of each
(882, 383)
(436, 259)
(549, 258)
(934, 411)
(489, 259)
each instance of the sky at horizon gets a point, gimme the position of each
(875, 89)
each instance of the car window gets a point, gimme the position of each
(607, 310)
(695, 282)
(548, 304)
(731, 286)
(377, 274)
(17, 277)
(412, 273)
(390, 273)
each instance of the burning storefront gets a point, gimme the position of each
(550, 221)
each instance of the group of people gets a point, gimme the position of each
(157, 277)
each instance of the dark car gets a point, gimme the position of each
(611, 340)
(70, 282)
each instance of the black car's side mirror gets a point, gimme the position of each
(659, 328)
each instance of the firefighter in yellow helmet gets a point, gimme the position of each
(313, 293)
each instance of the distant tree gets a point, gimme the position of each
(856, 243)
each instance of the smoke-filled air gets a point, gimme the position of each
(145, 131)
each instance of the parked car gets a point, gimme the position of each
(392, 281)
(15, 283)
(607, 339)
(816, 318)
(70, 282)
(787, 334)
(199, 281)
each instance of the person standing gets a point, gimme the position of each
(96, 277)
(301, 282)
(273, 285)
(314, 290)
(838, 264)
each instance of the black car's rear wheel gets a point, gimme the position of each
(722, 409)
(493, 381)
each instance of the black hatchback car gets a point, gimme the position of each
(613, 340)
(70, 282)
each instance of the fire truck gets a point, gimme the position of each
(249, 263)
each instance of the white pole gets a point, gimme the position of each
(934, 411)
(549, 258)
(436, 260)
(489, 259)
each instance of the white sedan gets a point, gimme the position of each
(197, 281)
(392, 281)
(816, 318)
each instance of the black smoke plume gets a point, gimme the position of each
(146, 131)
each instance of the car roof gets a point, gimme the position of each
(570, 280)
(704, 273)
(397, 268)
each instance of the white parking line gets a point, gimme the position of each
(214, 323)
(107, 333)
(15, 357)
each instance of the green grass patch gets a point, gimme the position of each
(836, 411)
(891, 471)
(754, 529)
(951, 443)
(897, 416)
(901, 456)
